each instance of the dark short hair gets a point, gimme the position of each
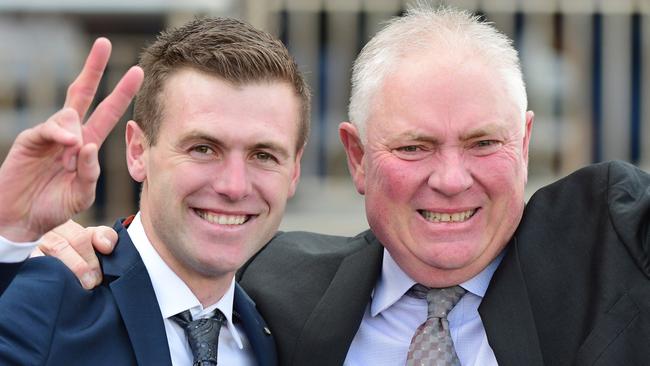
(224, 47)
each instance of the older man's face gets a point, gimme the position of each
(444, 167)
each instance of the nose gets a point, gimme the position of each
(450, 175)
(232, 180)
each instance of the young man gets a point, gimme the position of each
(216, 141)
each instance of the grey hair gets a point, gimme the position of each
(421, 28)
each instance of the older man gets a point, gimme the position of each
(220, 125)
(438, 145)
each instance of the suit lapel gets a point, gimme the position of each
(136, 300)
(507, 315)
(334, 322)
(257, 331)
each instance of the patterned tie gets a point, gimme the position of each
(431, 344)
(203, 335)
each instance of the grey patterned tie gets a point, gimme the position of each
(432, 345)
(202, 335)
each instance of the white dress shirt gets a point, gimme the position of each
(173, 297)
(391, 319)
(13, 252)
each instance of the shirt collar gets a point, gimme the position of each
(394, 282)
(172, 293)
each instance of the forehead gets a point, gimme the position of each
(194, 100)
(453, 91)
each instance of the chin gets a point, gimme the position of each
(451, 261)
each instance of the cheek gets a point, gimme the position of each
(184, 181)
(389, 177)
(272, 187)
(505, 171)
(504, 180)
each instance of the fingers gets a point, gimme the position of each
(77, 252)
(86, 179)
(68, 120)
(82, 90)
(68, 229)
(87, 271)
(62, 128)
(111, 109)
(104, 239)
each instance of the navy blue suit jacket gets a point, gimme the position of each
(47, 318)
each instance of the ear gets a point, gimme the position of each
(136, 147)
(295, 178)
(354, 150)
(530, 116)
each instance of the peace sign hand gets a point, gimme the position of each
(51, 170)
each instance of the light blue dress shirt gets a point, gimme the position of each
(391, 319)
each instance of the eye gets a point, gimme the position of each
(409, 148)
(411, 152)
(202, 152)
(485, 147)
(486, 143)
(203, 149)
(264, 156)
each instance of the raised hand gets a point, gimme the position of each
(51, 170)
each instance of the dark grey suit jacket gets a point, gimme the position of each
(573, 288)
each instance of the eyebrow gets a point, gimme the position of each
(413, 136)
(264, 145)
(273, 147)
(490, 129)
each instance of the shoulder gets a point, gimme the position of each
(31, 307)
(42, 277)
(301, 247)
(594, 190)
(319, 244)
(601, 205)
(608, 179)
(45, 269)
(299, 252)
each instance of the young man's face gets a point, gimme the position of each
(216, 182)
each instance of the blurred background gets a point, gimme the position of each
(586, 64)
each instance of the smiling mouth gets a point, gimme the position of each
(447, 217)
(221, 219)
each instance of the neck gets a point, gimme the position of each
(208, 288)
(207, 285)
(207, 291)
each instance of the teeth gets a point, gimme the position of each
(447, 217)
(222, 219)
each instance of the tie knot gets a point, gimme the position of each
(184, 319)
(442, 300)
(202, 335)
(439, 300)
